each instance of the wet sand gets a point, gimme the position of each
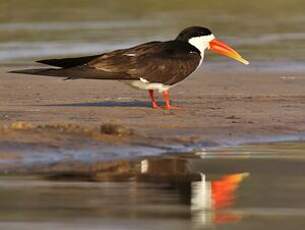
(216, 104)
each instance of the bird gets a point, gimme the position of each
(151, 66)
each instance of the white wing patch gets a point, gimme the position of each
(130, 55)
(143, 80)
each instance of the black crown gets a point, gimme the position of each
(191, 32)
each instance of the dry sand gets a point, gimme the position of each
(216, 105)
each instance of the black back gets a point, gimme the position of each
(157, 62)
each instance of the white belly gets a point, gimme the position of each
(146, 85)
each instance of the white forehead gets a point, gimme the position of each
(201, 42)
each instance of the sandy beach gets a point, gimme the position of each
(215, 104)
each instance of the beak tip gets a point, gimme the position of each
(244, 61)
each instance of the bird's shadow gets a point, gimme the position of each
(138, 104)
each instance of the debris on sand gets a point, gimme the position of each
(116, 130)
(20, 125)
(64, 133)
(104, 129)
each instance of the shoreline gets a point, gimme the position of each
(33, 151)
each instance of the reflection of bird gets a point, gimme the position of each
(150, 66)
(214, 195)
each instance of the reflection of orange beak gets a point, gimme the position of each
(223, 195)
(223, 190)
(223, 49)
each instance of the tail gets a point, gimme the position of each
(68, 62)
(53, 72)
(76, 73)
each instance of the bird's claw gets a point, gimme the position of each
(166, 107)
(170, 107)
(155, 106)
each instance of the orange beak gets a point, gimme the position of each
(223, 49)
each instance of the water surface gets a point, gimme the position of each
(247, 187)
(261, 30)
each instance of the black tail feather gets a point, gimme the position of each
(41, 71)
(68, 62)
(76, 73)
(52, 72)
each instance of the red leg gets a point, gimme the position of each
(153, 100)
(167, 101)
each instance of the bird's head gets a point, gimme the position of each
(202, 38)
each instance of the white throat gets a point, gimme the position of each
(201, 43)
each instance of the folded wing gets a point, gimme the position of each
(164, 62)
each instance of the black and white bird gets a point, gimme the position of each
(150, 66)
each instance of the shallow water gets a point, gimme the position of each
(247, 187)
(261, 30)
